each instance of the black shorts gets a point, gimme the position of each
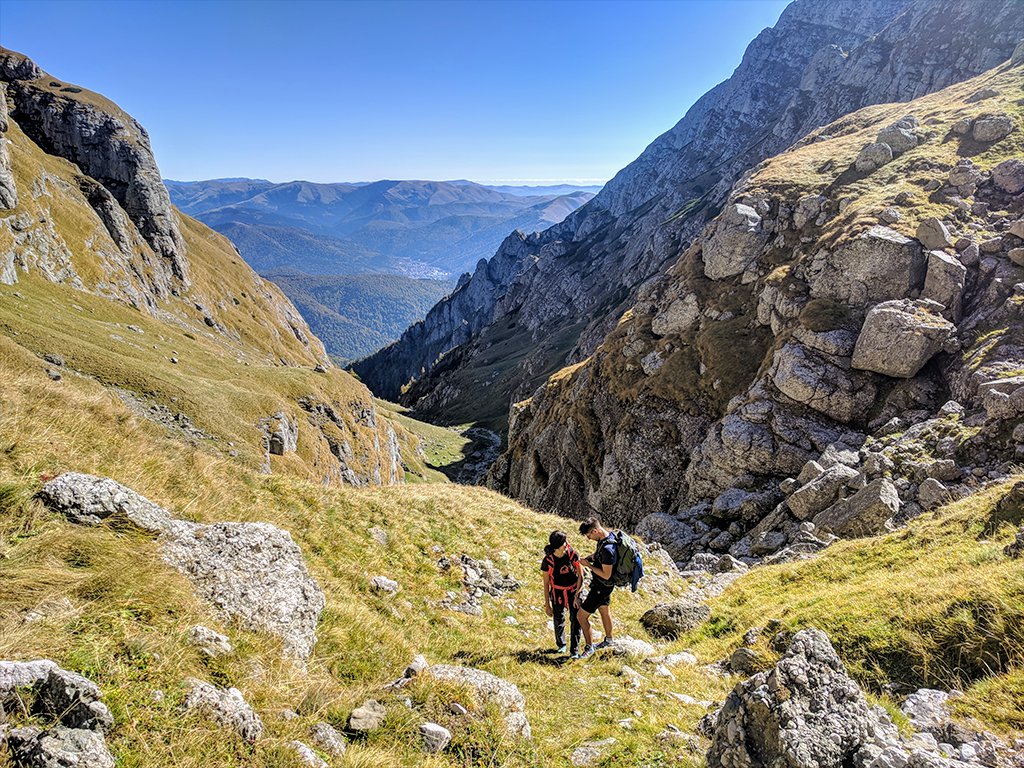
(599, 594)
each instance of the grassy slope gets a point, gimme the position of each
(900, 608)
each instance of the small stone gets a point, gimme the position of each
(306, 755)
(328, 739)
(435, 738)
(416, 666)
(367, 717)
(384, 584)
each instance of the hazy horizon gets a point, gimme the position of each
(516, 93)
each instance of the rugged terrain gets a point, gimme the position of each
(207, 556)
(102, 278)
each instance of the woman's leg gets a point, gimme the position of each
(558, 615)
(574, 630)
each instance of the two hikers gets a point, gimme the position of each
(616, 562)
(563, 580)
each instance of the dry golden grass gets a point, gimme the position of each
(127, 615)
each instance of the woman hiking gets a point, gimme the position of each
(563, 579)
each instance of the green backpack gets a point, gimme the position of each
(628, 568)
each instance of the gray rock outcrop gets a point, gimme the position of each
(804, 713)
(8, 188)
(252, 572)
(112, 148)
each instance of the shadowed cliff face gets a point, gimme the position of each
(108, 146)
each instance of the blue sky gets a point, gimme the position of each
(529, 91)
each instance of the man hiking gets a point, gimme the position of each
(599, 598)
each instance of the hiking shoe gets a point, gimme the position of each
(561, 649)
(608, 642)
(588, 651)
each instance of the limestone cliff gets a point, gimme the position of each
(819, 61)
(102, 275)
(108, 146)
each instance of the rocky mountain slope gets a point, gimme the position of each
(841, 345)
(545, 301)
(101, 277)
(164, 602)
(432, 229)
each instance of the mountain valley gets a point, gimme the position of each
(783, 349)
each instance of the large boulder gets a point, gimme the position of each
(822, 382)
(899, 136)
(988, 128)
(252, 572)
(873, 156)
(737, 240)
(804, 713)
(879, 265)
(674, 619)
(864, 513)
(900, 336)
(488, 688)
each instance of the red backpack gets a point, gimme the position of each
(563, 583)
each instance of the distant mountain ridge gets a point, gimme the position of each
(416, 228)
